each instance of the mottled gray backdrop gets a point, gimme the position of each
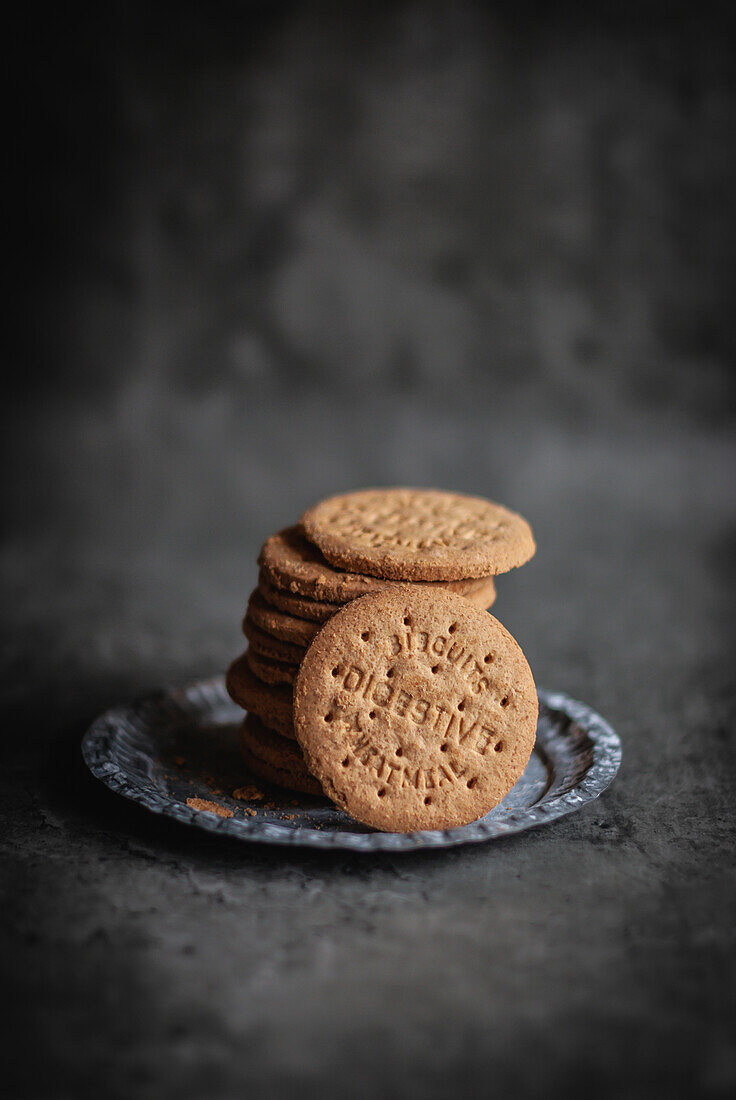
(273, 251)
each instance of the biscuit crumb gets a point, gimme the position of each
(249, 793)
(210, 807)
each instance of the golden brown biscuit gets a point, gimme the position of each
(415, 710)
(418, 534)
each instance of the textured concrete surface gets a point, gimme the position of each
(288, 251)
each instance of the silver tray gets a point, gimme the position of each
(181, 744)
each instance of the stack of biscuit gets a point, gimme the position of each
(342, 549)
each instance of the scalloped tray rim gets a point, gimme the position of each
(203, 695)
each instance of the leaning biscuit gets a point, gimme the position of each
(273, 703)
(415, 710)
(275, 759)
(418, 534)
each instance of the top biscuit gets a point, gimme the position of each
(418, 534)
(290, 563)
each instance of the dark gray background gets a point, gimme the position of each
(270, 252)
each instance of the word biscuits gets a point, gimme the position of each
(415, 710)
(418, 535)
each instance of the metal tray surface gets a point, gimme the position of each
(181, 743)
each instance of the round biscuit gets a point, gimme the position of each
(418, 534)
(415, 710)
